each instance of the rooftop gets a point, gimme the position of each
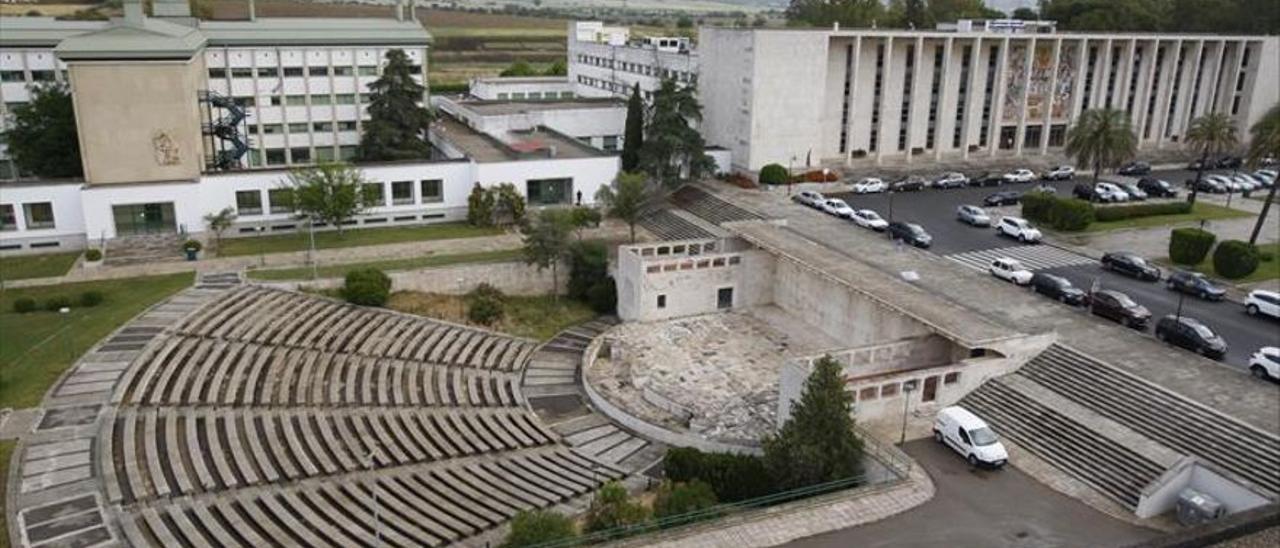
(524, 145)
(499, 108)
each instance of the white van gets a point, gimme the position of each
(963, 431)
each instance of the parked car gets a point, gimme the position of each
(954, 179)
(869, 185)
(869, 219)
(969, 436)
(1130, 265)
(1251, 181)
(1261, 301)
(1191, 334)
(1157, 188)
(837, 207)
(810, 198)
(1010, 270)
(1267, 176)
(1057, 287)
(908, 184)
(1018, 228)
(911, 233)
(973, 215)
(1207, 184)
(1110, 192)
(1007, 197)
(1135, 168)
(1020, 176)
(1045, 188)
(1194, 283)
(987, 179)
(1118, 307)
(1134, 191)
(1086, 191)
(1059, 173)
(1228, 161)
(1265, 363)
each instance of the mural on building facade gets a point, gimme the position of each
(1036, 87)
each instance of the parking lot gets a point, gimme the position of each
(935, 210)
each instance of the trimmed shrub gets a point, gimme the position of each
(538, 527)
(676, 499)
(603, 297)
(54, 304)
(1190, 245)
(1070, 215)
(192, 245)
(1234, 259)
(93, 255)
(613, 511)
(366, 287)
(91, 298)
(23, 305)
(1036, 206)
(732, 477)
(588, 266)
(485, 304)
(1134, 211)
(773, 174)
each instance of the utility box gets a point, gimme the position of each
(1195, 508)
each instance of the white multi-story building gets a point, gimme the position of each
(606, 62)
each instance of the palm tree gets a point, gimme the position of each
(1102, 138)
(1264, 142)
(1210, 135)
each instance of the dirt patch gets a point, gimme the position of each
(538, 318)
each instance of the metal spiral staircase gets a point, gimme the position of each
(228, 144)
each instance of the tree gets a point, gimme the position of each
(951, 10)
(518, 69)
(612, 509)
(480, 204)
(558, 68)
(1101, 138)
(774, 174)
(817, 444)
(218, 223)
(678, 499)
(684, 22)
(910, 14)
(673, 149)
(538, 527)
(822, 13)
(1264, 142)
(1025, 13)
(398, 123)
(330, 193)
(1209, 136)
(546, 244)
(508, 204)
(42, 139)
(633, 134)
(625, 199)
(1107, 15)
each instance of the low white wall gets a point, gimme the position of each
(68, 231)
(1162, 494)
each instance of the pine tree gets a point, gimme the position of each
(633, 135)
(673, 150)
(398, 124)
(42, 138)
(817, 444)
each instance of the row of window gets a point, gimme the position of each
(302, 127)
(639, 68)
(612, 87)
(38, 216)
(894, 388)
(280, 200)
(30, 76)
(219, 73)
(300, 155)
(300, 100)
(535, 95)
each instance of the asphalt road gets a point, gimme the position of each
(935, 211)
(984, 508)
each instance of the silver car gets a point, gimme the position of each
(973, 215)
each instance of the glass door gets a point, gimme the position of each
(138, 219)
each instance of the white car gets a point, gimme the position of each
(870, 185)
(1019, 228)
(1265, 363)
(1059, 173)
(866, 218)
(951, 180)
(1110, 192)
(1261, 301)
(837, 207)
(1020, 176)
(1010, 270)
(968, 435)
(810, 198)
(1267, 176)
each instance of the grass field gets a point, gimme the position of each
(534, 317)
(1267, 270)
(351, 238)
(339, 270)
(35, 348)
(1208, 212)
(36, 266)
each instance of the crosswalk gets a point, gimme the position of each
(1033, 257)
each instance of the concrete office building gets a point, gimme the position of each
(972, 91)
(606, 62)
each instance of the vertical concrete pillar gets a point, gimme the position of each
(1148, 86)
(997, 100)
(945, 122)
(1051, 97)
(966, 119)
(1190, 68)
(1175, 72)
(1214, 84)
(1078, 100)
(885, 77)
(1127, 66)
(1097, 98)
(911, 96)
(1020, 133)
(1229, 83)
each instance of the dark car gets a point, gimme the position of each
(1057, 287)
(908, 184)
(1135, 168)
(911, 233)
(1194, 283)
(1118, 307)
(1229, 162)
(1130, 265)
(1211, 186)
(1192, 335)
(1157, 188)
(987, 179)
(1002, 198)
(1086, 191)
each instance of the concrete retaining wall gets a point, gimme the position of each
(512, 278)
(1162, 494)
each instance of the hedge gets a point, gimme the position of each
(1119, 213)
(1070, 214)
(366, 286)
(732, 477)
(23, 305)
(1036, 206)
(1190, 245)
(1234, 259)
(773, 174)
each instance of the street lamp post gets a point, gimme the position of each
(311, 249)
(907, 388)
(65, 312)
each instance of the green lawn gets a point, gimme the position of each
(36, 266)
(339, 270)
(1267, 270)
(1209, 212)
(36, 347)
(351, 238)
(535, 317)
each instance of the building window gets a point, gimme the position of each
(300, 155)
(374, 195)
(272, 129)
(280, 200)
(503, 96)
(662, 301)
(347, 153)
(367, 71)
(610, 142)
(345, 99)
(322, 127)
(242, 72)
(275, 156)
(549, 191)
(431, 190)
(401, 192)
(8, 218)
(951, 378)
(295, 100)
(318, 71)
(1057, 135)
(293, 72)
(867, 394)
(347, 126)
(39, 215)
(321, 100)
(343, 71)
(268, 72)
(889, 390)
(214, 74)
(248, 202)
(325, 154)
(297, 128)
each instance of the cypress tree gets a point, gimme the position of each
(633, 136)
(397, 126)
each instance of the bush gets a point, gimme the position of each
(480, 204)
(1036, 206)
(773, 174)
(1134, 211)
(23, 305)
(612, 510)
(1190, 245)
(485, 305)
(1234, 259)
(603, 297)
(192, 245)
(537, 527)
(588, 266)
(675, 499)
(819, 176)
(367, 287)
(1070, 215)
(732, 477)
(54, 304)
(92, 255)
(91, 298)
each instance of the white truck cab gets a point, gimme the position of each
(968, 435)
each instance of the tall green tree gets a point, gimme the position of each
(822, 13)
(625, 199)
(910, 14)
(1101, 138)
(1264, 142)
(951, 10)
(42, 139)
(1107, 15)
(633, 134)
(1209, 136)
(547, 244)
(817, 444)
(330, 193)
(673, 150)
(398, 123)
